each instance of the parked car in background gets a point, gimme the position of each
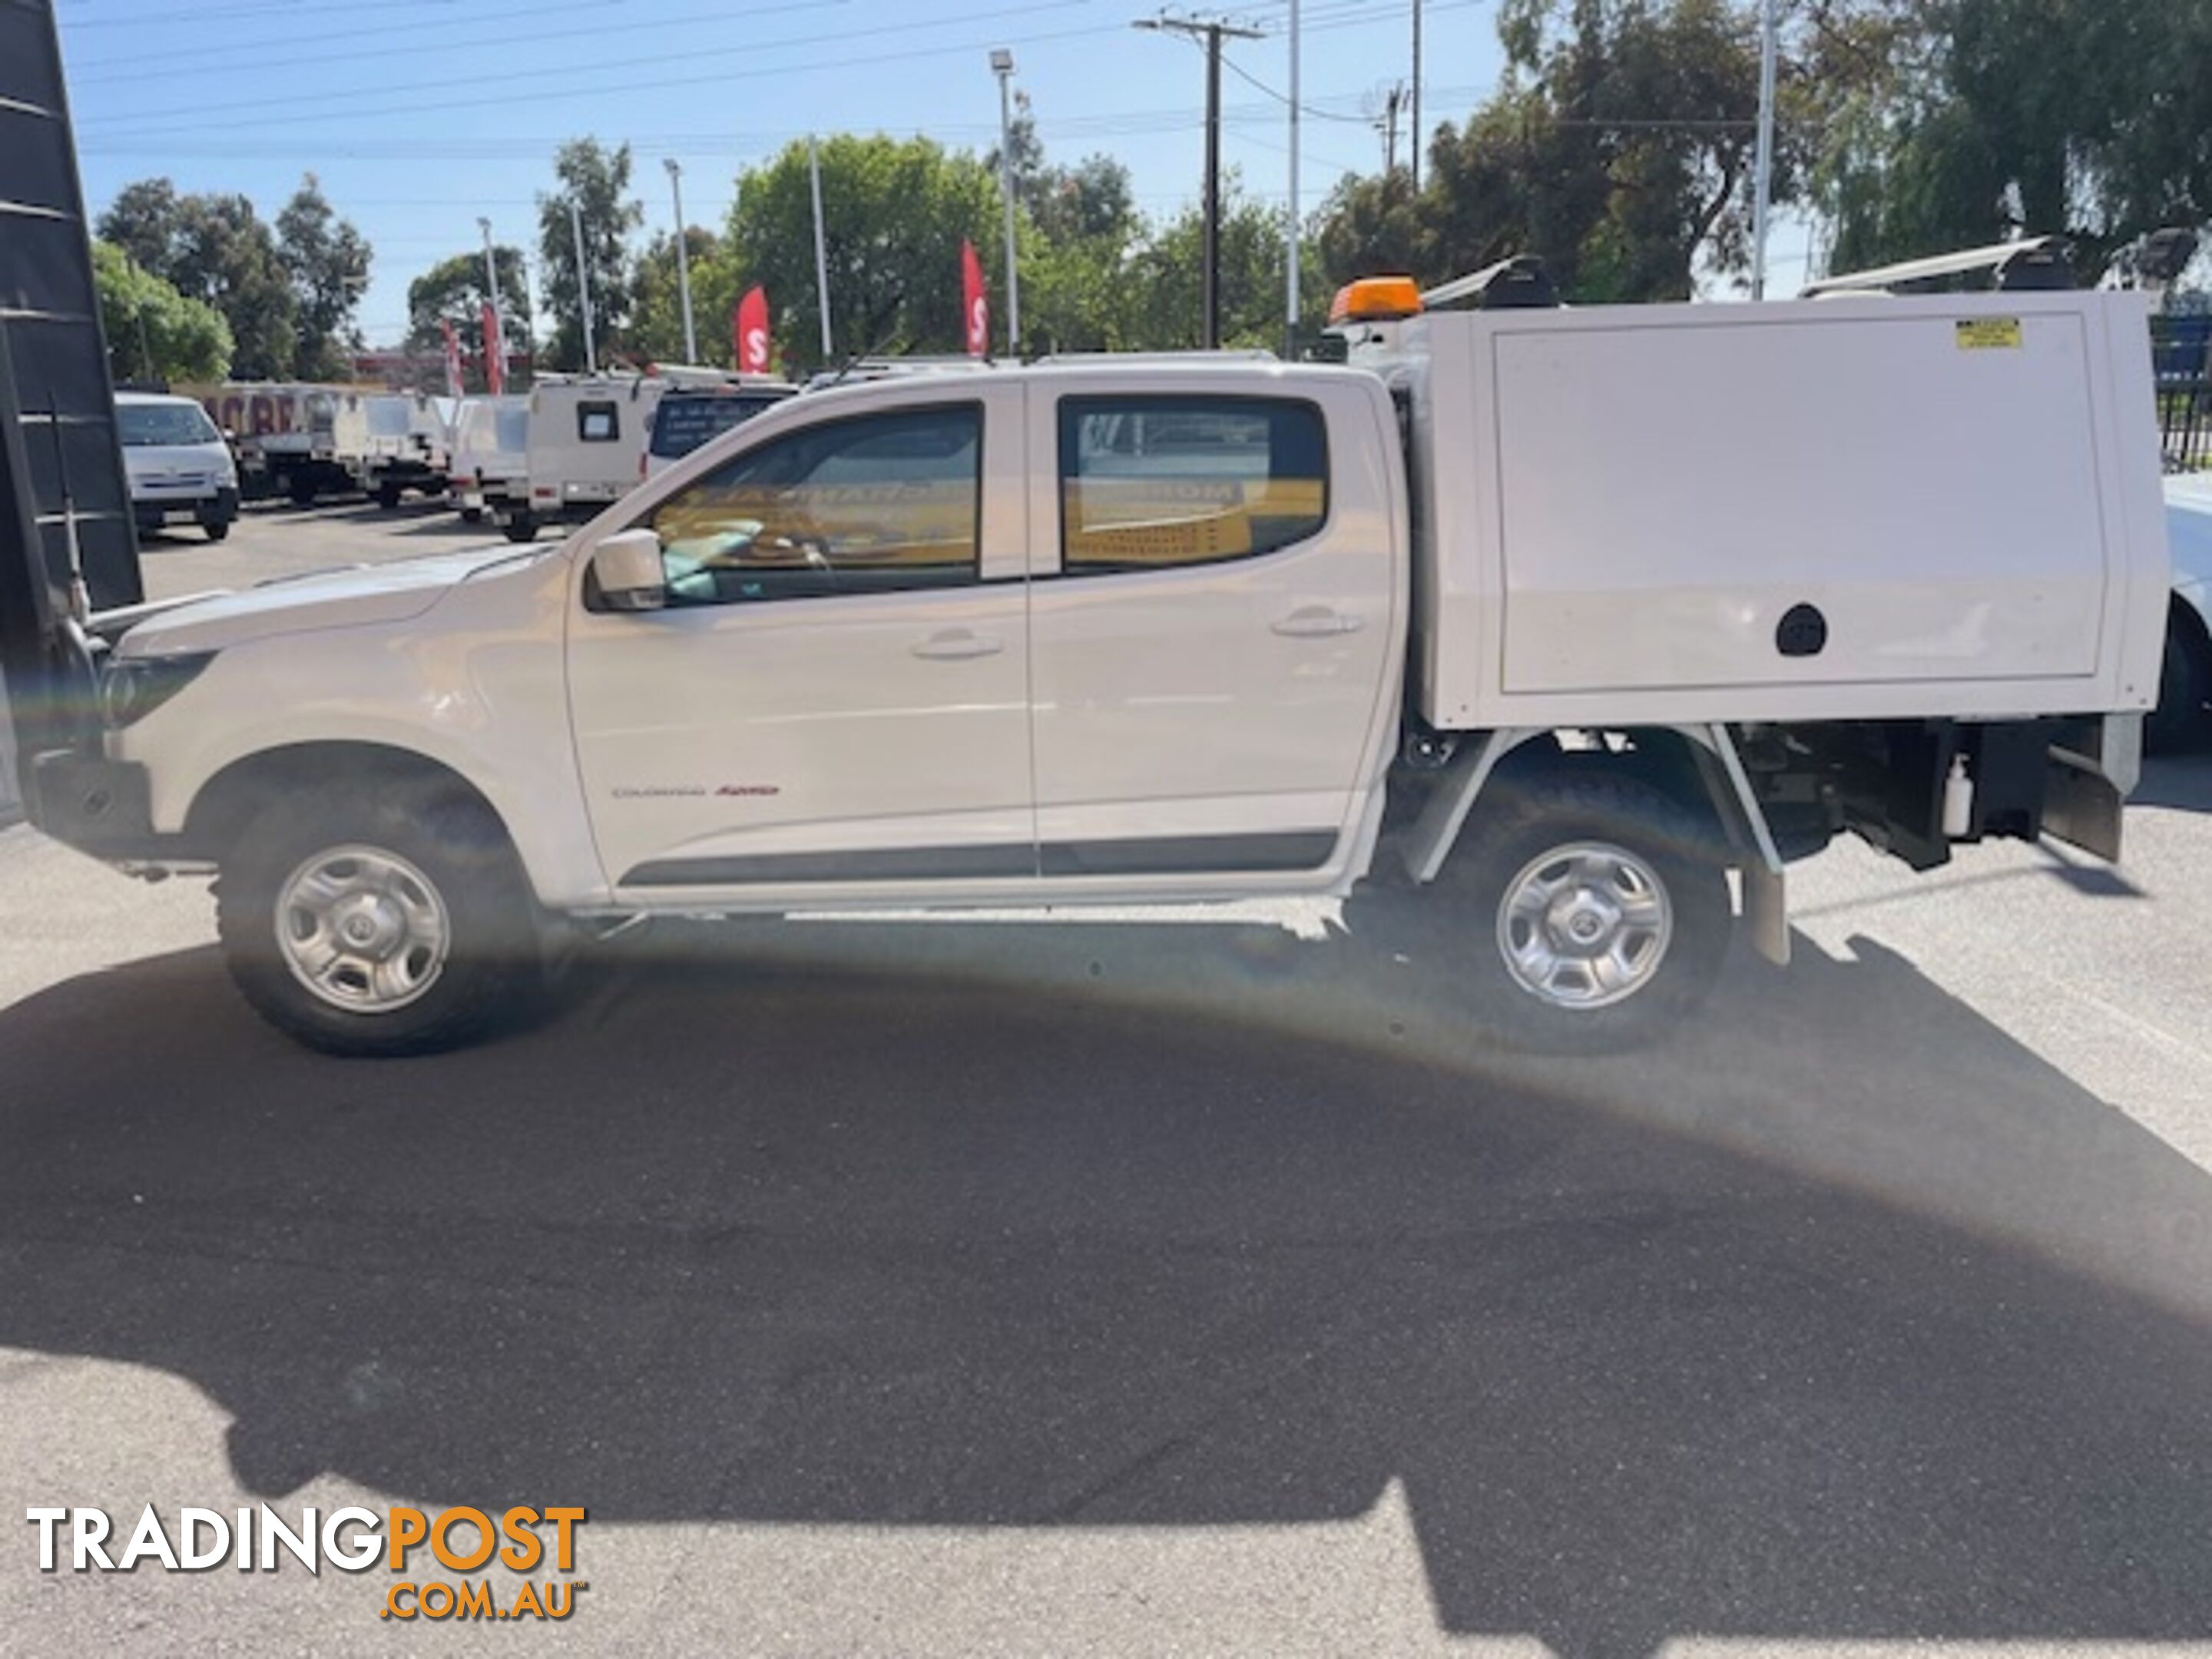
(2186, 687)
(687, 416)
(490, 463)
(181, 470)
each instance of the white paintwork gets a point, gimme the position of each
(569, 477)
(1621, 503)
(491, 448)
(291, 420)
(1238, 721)
(175, 476)
(817, 725)
(2189, 534)
(1146, 704)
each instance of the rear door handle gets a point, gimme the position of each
(1313, 621)
(957, 644)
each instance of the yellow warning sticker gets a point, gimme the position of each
(1987, 333)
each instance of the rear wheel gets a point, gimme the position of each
(301, 490)
(522, 527)
(387, 494)
(473, 515)
(1595, 912)
(378, 921)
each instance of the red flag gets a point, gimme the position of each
(453, 358)
(495, 345)
(749, 332)
(974, 302)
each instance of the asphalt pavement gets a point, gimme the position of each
(1143, 1284)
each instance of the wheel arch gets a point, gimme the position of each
(1696, 766)
(228, 801)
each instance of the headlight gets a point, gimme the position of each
(134, 686)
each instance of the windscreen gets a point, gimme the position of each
(680, 425)
(143, 426)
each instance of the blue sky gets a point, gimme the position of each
(419, 115)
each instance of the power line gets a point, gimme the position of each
(154, 119)
(232, 57)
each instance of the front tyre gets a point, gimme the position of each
(1594, 912)
(390, 921)
(215, 529)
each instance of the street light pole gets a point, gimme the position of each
(821, 240)
(683, 258)
(1763, 167)
(1002, 66)
(583, 287)
(1290, 238)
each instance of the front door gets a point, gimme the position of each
(837, 691)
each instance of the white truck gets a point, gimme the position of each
(587, 437)
(292, 439)
(410, 446)
(491, 455)
(1573, 625)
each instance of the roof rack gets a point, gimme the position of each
(1516, 282)
(2030, 264)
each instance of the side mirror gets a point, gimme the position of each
(629, 570)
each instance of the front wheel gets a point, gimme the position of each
(1594, 912)
(217, 529)
(378, 921)
(2185, 687)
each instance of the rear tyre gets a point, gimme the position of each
(375, 921)
(2185, 686)
(473, 515)
(1593, 913)
(522, 527)
(301, 489)
(387, 496)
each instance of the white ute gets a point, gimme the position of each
(1552, 620)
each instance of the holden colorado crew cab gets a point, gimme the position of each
(1574, 625)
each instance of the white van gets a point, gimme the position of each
(181, 470)
(491, 455)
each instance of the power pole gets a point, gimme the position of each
(1387, 124)
(1415, 147)
(1212, 31)
(1762, 188)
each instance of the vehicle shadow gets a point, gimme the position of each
(1842, 1317)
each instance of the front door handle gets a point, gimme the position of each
(1314, 621)
(957, 644)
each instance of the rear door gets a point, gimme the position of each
(1214, 626)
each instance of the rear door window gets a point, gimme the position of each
(1152, 482)
(598, 423)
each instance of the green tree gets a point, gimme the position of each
(657, 332)
(453, 290)
(595, 179)
(153, 332)
(1618, 147)
(894, 212)
(1977, 119)
(216, 249)
(328, 261)
(1171, 273)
